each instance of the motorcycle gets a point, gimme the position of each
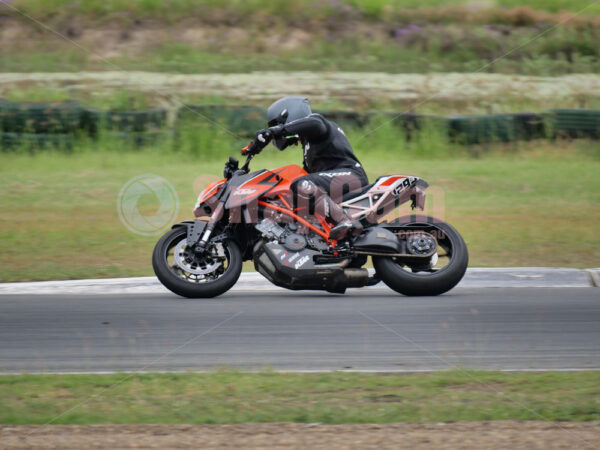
(253, 216)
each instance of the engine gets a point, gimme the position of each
(295, 261)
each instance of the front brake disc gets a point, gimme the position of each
(187, 261)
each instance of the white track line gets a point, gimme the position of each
(236, 369)
(254, 282)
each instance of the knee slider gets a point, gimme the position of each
(306, 189)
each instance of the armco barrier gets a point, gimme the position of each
(573, 123)
(33, 141)
(241, 120)
(40, 118)
(56, 123)
(529, 126)
(478, 129)
(245, 120)
(138, 139)
(124, 121)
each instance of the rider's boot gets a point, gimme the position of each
(345, 229)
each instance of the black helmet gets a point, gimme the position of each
(288, 109)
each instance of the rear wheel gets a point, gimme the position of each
(438, 274)
(192, 275)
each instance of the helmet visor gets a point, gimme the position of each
(280, 119)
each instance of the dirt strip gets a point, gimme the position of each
(349, 86)
(461, 435)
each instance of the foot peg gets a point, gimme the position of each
(343, 229)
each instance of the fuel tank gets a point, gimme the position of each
(249, 188)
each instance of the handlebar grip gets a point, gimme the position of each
(248, 148)
(253, 148)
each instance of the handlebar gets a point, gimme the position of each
(253, 147)
(246, 165)
(250, 151)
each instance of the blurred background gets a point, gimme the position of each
(495, 103)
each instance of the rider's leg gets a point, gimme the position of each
(319, 188)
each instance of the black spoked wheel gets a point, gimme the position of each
(430, 276)
(192, 275)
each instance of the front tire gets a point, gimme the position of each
(419, 281)
(188, 284)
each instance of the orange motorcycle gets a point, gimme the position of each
(253, 216)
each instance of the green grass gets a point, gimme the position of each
(560, 52)
(524, 204)
(461, 48)
(357, 35)
(332, 398)
(182, 8)
(107, 99)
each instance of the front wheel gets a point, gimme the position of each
(192, 275)
(439, 274)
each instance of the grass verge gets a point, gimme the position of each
(188, 36)
(433, 48)
(226, 396)
(175, 9)
(525, 204)
(362, 92)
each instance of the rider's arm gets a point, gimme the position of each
(310, 128)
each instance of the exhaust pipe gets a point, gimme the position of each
(348, 278)
(356, 277)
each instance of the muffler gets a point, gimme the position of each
(347, 278)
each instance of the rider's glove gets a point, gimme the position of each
(280, 138)
(262, 138)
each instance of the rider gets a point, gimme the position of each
(332, 167)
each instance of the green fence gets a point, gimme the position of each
(41, 125)
(477, 129)
(123, 121)
(40, 118)
(573, 123)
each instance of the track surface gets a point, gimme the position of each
(516, 328)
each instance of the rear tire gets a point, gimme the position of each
(424, 282)
(172, 279)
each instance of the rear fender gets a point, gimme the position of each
(398, 189)
(386, 194)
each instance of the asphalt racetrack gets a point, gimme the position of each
(370, 329)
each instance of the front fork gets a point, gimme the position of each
(210, 226)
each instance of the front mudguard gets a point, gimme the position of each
(195, 228)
